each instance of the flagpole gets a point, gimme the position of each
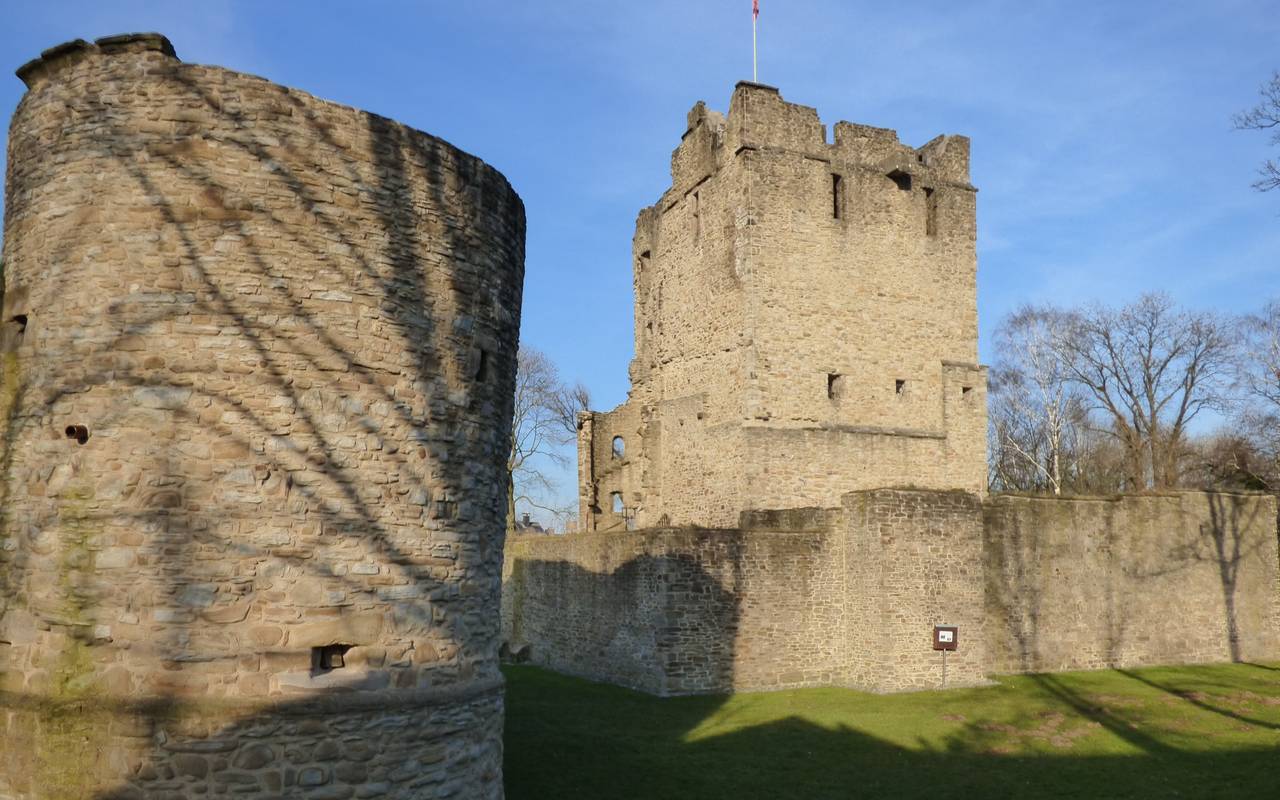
(755, 77)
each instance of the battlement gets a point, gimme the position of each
(59, 57)
(760, 119)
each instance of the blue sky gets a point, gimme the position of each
(1102, 142)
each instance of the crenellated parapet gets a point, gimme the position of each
(760, 119)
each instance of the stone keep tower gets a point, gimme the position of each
(258, 362)
(806, 324)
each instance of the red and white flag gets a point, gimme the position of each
(755, 9)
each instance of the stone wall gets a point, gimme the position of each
(805, 322)
(787, 599)
(1085, 583)
(259, 363)
(850, 596)
(676, 611)
(914, 560)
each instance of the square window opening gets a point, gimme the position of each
(900, 387)
(328, 657)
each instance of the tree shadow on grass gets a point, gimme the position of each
(568, 738)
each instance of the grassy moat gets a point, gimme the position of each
(1190, 732)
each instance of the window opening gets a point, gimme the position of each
(697, 215)
(328, 658)
(615, 499)
(619, 447)
(900, 387)
(835, 385)
(836, 195)
(902, 179)
(482, 366)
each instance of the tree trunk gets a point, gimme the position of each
(511, 503)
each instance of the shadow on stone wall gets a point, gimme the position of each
(185, 744)
(1230, 518)
(1234, 532)
(1014, 593)
(1088, 583)
(658, 623)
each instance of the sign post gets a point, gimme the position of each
(945, 638)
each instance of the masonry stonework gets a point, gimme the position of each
(258, 364)
(849, 596)
(805, 324)
(1124, 581)
(806, 336)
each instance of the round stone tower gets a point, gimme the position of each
(258, 362)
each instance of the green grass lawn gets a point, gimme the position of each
(1190, 732)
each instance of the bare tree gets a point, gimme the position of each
(1149, 368)
(1258, 376)
(1265, 117)
(544, 423)
(1098, 460)
(1036, 409)
(1232, 459)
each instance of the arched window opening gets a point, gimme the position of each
(616, 499)
(619, 447)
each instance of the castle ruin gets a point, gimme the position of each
(258, 353)
(794, 492)
(258, 362)
(805, 324)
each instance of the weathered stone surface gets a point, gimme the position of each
(256, 328)
(849, 596)
(1180, 578)
(805, 325)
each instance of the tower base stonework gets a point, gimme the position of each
(440, 744)
(258, 361)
